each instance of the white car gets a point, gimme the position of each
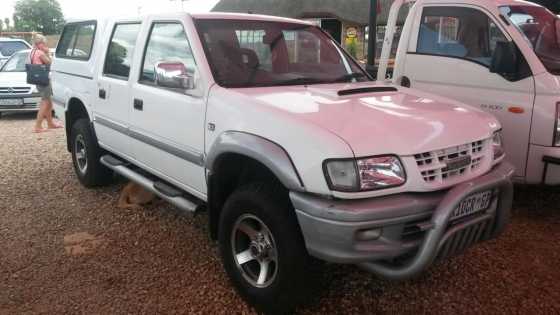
(9, 46)
(16, 95)
(269, 125)
(500, 56)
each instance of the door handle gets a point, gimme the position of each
(102, 93)
(138, 104)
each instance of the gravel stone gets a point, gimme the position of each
(65, 249)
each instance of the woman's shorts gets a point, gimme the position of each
(45, 91)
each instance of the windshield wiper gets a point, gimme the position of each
(350, 76)
(300, 80)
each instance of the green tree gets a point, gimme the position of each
(7, 24)
(43, 16)
(1, 26)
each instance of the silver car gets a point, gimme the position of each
(9, 46)
(16, 94)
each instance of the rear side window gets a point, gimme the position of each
(458, 32)
(9, 48)
(76, 41)
(121, 50)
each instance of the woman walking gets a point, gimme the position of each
(39, 55)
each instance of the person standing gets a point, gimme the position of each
(40, 55)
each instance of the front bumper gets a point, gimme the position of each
(399, 236)
(30, 102)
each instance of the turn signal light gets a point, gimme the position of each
(516, 110)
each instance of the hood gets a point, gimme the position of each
(12, 79)
(403, 121)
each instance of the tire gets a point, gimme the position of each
(86, 154)
(289, 279)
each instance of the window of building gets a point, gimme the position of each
(76, 41)
(121, 50)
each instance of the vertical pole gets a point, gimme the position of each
(372, 38)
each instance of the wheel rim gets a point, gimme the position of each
(254, 251)
(80, 154)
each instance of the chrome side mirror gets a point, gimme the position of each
(173, 75)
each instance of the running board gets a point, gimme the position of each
(161, 189)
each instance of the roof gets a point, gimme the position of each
(244, 16)
(356, 11)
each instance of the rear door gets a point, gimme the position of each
(451, 56)
(112, 111)
(167, 124)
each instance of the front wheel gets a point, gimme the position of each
(263, 250)
(86, 154)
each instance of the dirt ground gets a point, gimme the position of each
(65, 249)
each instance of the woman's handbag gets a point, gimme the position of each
(37, 74)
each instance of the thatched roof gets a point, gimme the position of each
(356, 11)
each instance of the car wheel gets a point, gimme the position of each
(86, 154)
(263, 250)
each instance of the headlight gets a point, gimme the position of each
(557, 127)
(497, 145)
(365, 174)
(34, 89)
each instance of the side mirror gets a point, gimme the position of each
(173, 75)
(504, 60)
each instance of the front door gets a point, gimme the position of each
(452, 58)
(167, 124)
(111, 110)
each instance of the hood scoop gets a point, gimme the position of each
(370, 89)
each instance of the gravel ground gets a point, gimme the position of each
(66, 249)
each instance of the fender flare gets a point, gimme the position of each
(267, 152)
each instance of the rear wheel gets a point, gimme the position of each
(263, 250)
(86, 154)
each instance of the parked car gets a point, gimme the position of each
(9, 46)
(505, 57)
(16, 95)
(293, 151)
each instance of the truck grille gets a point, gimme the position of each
(14, 90)
(433, 167)
(464, 238)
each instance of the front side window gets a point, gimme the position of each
(76, 41)
(458, 32)
(16, 63)
(167, 44)
(121, 50)
(541, 29)
(8, 48)
(263, 53)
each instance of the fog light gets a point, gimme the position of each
(368, 235)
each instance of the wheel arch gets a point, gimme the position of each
(75, 110)
(237, 158)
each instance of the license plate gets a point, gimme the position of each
(11, 101)
(473, 204)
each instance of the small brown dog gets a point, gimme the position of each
(134, 196)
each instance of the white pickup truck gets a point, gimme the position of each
(502, 56)
(294, 152)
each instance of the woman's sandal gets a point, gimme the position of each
(56, 126)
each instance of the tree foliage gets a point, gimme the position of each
(43, 16)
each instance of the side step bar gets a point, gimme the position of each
(161, 189)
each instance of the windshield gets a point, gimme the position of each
(260, 53)
(16, 63)
(9, 48)
(541, 29)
